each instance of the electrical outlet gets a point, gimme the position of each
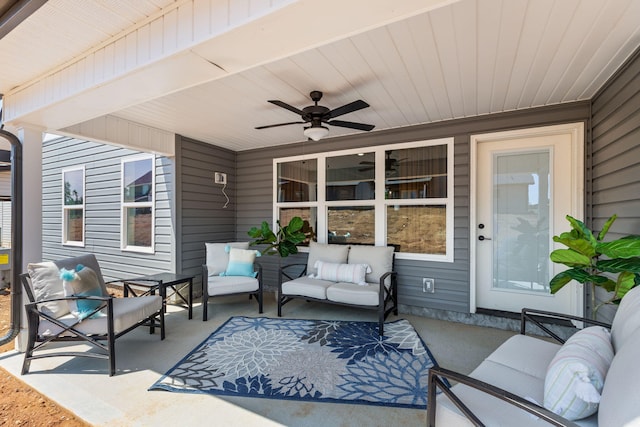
(428, 285)
(220, 178)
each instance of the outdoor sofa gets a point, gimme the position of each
(351, 275)
(595, 370)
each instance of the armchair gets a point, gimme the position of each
(230, 270)
(54, 314)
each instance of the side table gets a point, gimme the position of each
(160, 282)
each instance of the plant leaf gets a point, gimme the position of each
(606, 226)
(619, 265)
(582, 229)
(626, 281)
(579, 245)
(625, 247)
(570, 258)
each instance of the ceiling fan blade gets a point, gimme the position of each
(287, 106)
(347, 108)
(352, 125)
(279, 124)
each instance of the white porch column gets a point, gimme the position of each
(31, 139)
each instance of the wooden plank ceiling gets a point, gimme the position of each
(465, 58)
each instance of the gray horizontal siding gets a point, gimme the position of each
(102, 208)
(614, 168)
(255, 198)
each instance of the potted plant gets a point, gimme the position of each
(284, 241)
(592, 260)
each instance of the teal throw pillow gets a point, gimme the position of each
(82, 281)
(240, 262)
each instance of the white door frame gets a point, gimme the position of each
(576, 130)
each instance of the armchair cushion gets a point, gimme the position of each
(82, 281)
(351, 273)
(241, 262)
(46, 284)
(576, 374)
(224, 285)
(217, 257)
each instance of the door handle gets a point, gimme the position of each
(481, 238)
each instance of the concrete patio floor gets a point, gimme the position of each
(83, 386)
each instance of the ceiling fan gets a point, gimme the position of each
(390, 164)
(316, 115)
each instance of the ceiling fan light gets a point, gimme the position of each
(316, 133)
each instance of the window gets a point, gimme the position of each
(73, 206)
(138, 184)
(400, 195)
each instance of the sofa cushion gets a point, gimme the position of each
(350, 293)
(223, 285)
(240, 262)
(627, 318)
(46, 284)
(526, 354)
(217, 256)
(350, 273)
(379, 258)
(577, 372)
(325, 252)
(126, 313)
(621, 393)
(308, 287)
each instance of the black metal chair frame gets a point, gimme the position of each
(105, 343)
(438, 377)
(388, 296)
(205, 291)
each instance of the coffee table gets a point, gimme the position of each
(148, 285)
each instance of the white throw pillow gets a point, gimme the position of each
(350, 273)
(575, 376)
(46, 284)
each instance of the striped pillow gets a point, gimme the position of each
(576, 374)
(351, 273)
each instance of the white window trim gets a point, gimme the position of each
(124, 206)
(66, 208)
(379, 203)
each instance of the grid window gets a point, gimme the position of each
(138, 187)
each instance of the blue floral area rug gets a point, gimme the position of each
(308, 360)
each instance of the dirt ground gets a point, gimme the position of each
(20, 405)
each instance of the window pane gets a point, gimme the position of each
(308, 215)
(73, 225)
(351, 177)
(73, 193)
(138, 181)
(415, 173)
(298, 181)
(353, 224)
(139, 226)
(417, 229)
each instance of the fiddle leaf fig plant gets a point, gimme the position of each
(593, 261)
(283, 242)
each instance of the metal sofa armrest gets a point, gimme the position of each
(438, 377)
(284, 271)
(535, 316)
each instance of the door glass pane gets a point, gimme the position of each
(521, 195)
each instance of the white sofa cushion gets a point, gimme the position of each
(334, 272)
(627, 318)
(307, 287)
(325, 252)
(350, 293)
(620, 401)
(576, 374)
(217, 257)
(223, 285)
(126, 313)
(526, 354)
(379, 258)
